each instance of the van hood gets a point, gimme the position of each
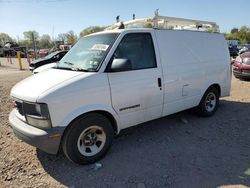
(32, 87)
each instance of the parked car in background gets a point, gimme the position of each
(1, 51)
(241, 66)
(44, 67)
(65, 47)
(233, 50)
(233, 42)
(10, 48)
(43, 52)
(51, 58)
(244, 48)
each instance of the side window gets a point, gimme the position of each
(139, 49)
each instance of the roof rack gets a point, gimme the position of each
(165, 22)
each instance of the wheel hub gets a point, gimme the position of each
(90, 139)
(210, 102)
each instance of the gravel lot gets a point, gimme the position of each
(181, 150)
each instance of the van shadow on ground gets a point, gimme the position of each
(181, 150)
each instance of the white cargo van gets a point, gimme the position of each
(115, 79)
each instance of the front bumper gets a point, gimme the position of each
(42, 139)
(238, 73)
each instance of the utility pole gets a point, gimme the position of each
(34, 44)
(53, 33)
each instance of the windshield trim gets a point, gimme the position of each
(108, 50)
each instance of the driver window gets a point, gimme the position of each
(139, 49)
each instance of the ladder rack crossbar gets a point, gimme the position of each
(166, 22)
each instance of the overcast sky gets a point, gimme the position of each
(59, 16)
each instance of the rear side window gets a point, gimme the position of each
(139, 49)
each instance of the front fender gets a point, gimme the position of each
(86, 109)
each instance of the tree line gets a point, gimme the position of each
(44, 41)
(241, 34)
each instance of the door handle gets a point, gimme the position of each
(159, 83)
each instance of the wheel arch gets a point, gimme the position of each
(113, 120)
(200, 109)
(217, 87)
(110, 117)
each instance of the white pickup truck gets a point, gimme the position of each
(116, 79)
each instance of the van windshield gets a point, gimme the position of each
(88, 53)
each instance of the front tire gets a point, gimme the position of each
(88, 138)
(209, 103)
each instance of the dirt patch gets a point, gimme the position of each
(181, 150)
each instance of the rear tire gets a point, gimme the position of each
(88, 138)
(209, 103)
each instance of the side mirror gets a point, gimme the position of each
(119, 65)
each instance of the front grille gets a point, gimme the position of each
(246, 71)
(19, 107)
(237, 71)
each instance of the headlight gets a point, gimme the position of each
(37, 115)
(246, 61)
(238, 59)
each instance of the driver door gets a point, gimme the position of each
(137, 94)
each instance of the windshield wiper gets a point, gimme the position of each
(75, 68)
(79, 69)
(64, 68)
(72, 69)
(68, 63)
